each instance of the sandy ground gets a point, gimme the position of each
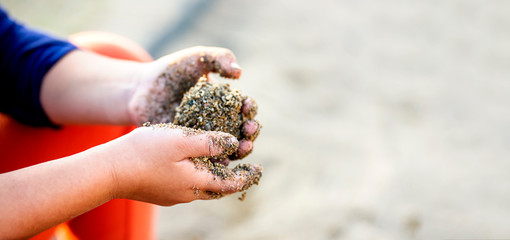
(382, 119)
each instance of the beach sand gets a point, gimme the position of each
(382, 119)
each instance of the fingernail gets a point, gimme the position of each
(249, 108)
(245, 148)
(247, 104)
(246, 145)
(250, 127)
(235, 65)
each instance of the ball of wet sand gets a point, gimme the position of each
(211, 107)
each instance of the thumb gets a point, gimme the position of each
(218, 60)
(209, 143)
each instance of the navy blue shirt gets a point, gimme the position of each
(25, 57)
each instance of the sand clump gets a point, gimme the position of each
(211, 107)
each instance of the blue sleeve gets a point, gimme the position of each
(25, 58)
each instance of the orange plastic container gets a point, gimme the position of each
(23, 146)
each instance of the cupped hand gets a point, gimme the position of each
(161, 85)
(154, 165)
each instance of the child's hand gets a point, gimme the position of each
(162, 84)
(164, 81)
(153, 166)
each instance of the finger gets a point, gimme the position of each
(248, 175)
(221, 160)
(198, 143)
(213, 144)
(251, 129)
(240, 178)
(219, 60)
(208, 195)
(245, 148)
(200, 194)
(208, 181)
(249, 108)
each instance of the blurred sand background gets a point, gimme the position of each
(382, 119)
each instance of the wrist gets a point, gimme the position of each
(145, 85)
(123, 165)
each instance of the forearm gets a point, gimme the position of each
(36, 198)
(87, 88)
